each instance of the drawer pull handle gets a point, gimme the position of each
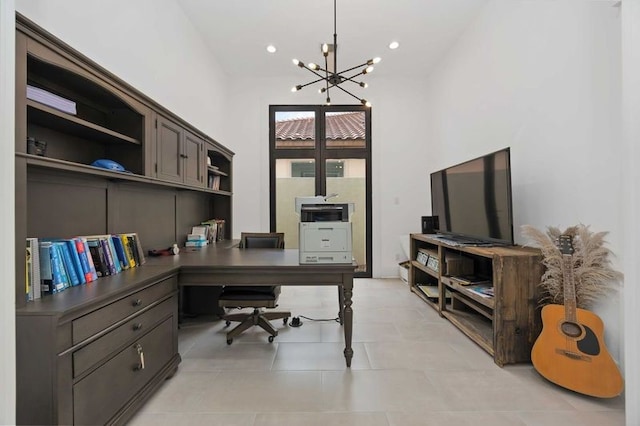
(140, 365)
(137, 302)
(137, 326)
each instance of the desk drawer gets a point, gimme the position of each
(105, 391)
(90, 324)
(89, 355)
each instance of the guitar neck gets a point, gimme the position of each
(569, 289)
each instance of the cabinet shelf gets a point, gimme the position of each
(67, 166)
(424, 269)
(476, 327)
(505, 325)
(215, 171)
(52, 118)
(487, 302)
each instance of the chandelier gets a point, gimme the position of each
(329, 75)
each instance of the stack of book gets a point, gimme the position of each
(55, 264)
(47, 98)
(197, 237)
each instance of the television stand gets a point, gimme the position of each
(501, 313)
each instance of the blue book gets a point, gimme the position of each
(114, 255)
(92, 267)
(84, 260)
(107, 255)
(60, 281)
(122, 257)
(46, 273)
(67, 261)
(75, 257)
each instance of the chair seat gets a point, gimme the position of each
(250, 293)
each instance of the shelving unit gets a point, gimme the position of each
(64, 375)
(505, 325)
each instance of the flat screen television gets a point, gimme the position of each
(472, 200)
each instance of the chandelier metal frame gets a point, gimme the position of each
(334, 78)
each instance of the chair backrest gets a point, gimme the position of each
(262, 240)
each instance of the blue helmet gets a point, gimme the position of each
(108, 164)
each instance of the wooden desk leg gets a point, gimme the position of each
(341, 304)
(347, 286)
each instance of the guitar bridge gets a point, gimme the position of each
(573, 355)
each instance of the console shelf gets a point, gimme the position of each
(505, 324)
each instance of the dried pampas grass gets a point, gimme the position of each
(593, 276)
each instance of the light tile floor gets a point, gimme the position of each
(410, 367)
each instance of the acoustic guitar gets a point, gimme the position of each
(570, 350)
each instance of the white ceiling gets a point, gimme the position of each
(238, 31)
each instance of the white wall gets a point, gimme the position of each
(542, 77)
(150, 44)
(631, 207)
(7, 177)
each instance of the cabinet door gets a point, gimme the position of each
(169, 139)
(193, 155)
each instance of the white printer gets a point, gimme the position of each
(325, 231)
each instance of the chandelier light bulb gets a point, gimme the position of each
(394, 45)
(329, 76)
(271, 48)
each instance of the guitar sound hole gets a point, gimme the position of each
(571, 329)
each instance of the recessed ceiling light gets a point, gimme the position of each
(271, 48)
(394, 45)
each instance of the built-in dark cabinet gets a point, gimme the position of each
(180, 153)
(79, 351)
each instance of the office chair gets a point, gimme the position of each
(255, 297)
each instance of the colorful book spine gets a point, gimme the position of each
(114, 255)
(67, 261)
(127, 250)
(46, 272)
(107, 255)
(122, 258)
(33, 269)
(75, 257)
(99, 261)
(84, 260)
(60, 281)
(94, 272)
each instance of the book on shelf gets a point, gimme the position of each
(75, 257)
(120, 254)
(33, 269)
(98, 256)
(432, 291)
(60, 278)
(128, 251)
(84, 252)
(50, 99)
(470, 279)
(484, 289)
(67, 266)
(46, 272)
(136, 248)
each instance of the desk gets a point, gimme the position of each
(225, 264)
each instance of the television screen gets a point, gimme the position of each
(473, 200)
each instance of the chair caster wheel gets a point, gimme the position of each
(229, 341)
(285, 321)
(271, 339)
(227, 323)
